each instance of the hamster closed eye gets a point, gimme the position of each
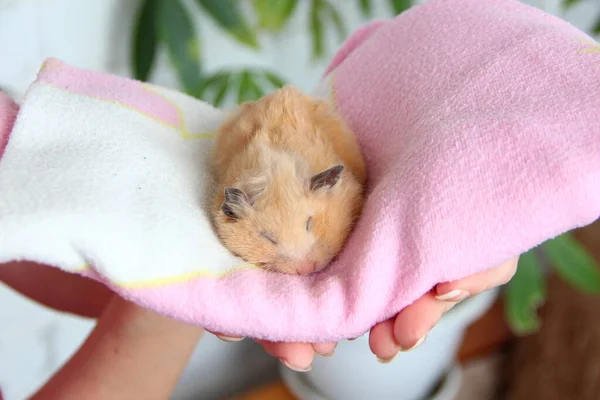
(290, 181)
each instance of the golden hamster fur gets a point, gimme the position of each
(289, 182)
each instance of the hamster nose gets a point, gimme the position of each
(306, 267)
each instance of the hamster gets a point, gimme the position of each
(290, 180)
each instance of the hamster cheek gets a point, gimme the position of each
(283, 268)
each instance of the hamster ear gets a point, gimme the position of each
(326, 179)
(235, 202)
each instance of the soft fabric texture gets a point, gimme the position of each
(480, 123)
(8, 113)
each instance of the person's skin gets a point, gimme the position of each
(409, 328)
(133, 351)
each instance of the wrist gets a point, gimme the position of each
(132, 353)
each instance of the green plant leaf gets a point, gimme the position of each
(338, 23)
(596, 27)
(256, 90)
(208, 85)
(229, 16)
(399, 6)
(366, 7)
(178, 34)
(566, 4)
(248, 90)
(319, 11)
(572, 262)
(221, 87)
(524, 294)
(316, 28)
(145, 40)
(273, 15)
(274, 79)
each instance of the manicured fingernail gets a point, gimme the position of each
(419, 342)
(294, 368)
(230, 338)
(388, 360)
(455, 295)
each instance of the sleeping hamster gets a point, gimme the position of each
(289, 182)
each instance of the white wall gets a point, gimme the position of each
(95, 34)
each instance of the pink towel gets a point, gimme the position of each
(8, 113)
(480, 123)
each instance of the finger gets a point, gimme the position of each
(227, 338)
(324, 349)
(382, 341)
(413, 323)
(295, 356)
(477, 283)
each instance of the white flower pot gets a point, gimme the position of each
(354, 373)
(447, 387)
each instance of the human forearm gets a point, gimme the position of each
(131, 354)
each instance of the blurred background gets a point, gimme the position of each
(537, 337)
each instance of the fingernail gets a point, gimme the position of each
(455, 295)
(419, 342)
(230, 338)
(388, 360)
(294, 368)
(331, 353)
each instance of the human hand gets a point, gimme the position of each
(408, 329)
(405, 331)
(131, 353)
(76, 294)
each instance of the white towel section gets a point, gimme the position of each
(91, 182)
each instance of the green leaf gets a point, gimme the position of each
(319, 11)
(399, 6)
(273, 15)
(366, 7)
(229, 16)
(596, 27)
(256, 91)
(178, 34)
(221, 87)
(572, 262)
(145, 40)
(338, 23)
(566, 4)
(316, 28)
(248, 90)
(524, 294)
(208, 84)
(274, 79)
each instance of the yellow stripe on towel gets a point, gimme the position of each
(183, 132)
(157, 282)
